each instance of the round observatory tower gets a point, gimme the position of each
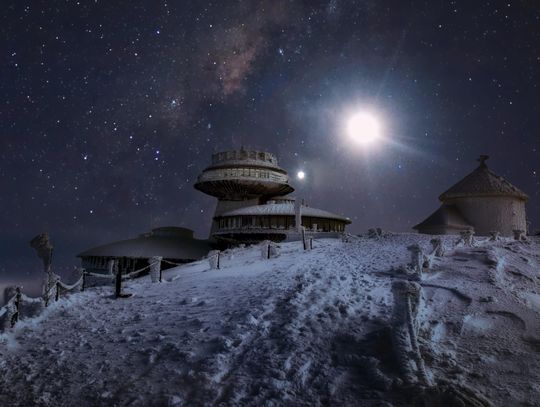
(242, 178)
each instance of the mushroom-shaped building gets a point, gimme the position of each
(250, 187)
(483, 202)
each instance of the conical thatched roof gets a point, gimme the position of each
(483, 182)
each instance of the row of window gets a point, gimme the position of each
(280, 222)
(244, 172)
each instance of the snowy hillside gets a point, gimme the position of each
(320, 327)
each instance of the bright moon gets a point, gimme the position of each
(364, 128)
(301, 175)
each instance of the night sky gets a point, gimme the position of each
(110, 109)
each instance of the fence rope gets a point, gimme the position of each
(72, 286)
(172, 262)
(99, 275)
(136, 272)
(30, 299)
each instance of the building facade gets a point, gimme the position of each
(252, 204)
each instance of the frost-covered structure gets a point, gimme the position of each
(252, 206)
(482, 202)
(175, 245)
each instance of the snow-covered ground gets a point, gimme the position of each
(306, 328)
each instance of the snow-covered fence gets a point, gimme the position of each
(13, 307)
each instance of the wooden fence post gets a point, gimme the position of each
(83, 283)
(57, 294)
(310, 243)
(304, 238)
(268, 250)
(218, 258)
(118, 282)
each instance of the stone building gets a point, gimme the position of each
(482, 202)
(252, 205)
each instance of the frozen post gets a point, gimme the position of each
(304, 238)
(83, 281)
(213, 259)
(416, 258)
(494, 236)
(15, 316)
(57, 293)
(467, 237)
(110, 266)
(155, 269)
(437, 247)
(519, 235)
(118, 282)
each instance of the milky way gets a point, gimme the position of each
(109, 110)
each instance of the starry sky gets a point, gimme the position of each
(110, 109)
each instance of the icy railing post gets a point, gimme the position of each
(110, 266)
(466, 237)
(118, 278)
(494, 236)
(83, 279)
(57, 293)
(265, 249)
(155, 269)
(15, 317)
(417, 258)
(438, 248)
(304, 243)
(519, 235)
(214, 258)
(407, 296)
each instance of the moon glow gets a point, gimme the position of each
(364, 128)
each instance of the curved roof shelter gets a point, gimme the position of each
(167, 242)
(482, 182)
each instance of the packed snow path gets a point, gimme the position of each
(306, 328)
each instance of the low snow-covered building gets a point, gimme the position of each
(276, 220)
(482, 202)
(175, 245)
